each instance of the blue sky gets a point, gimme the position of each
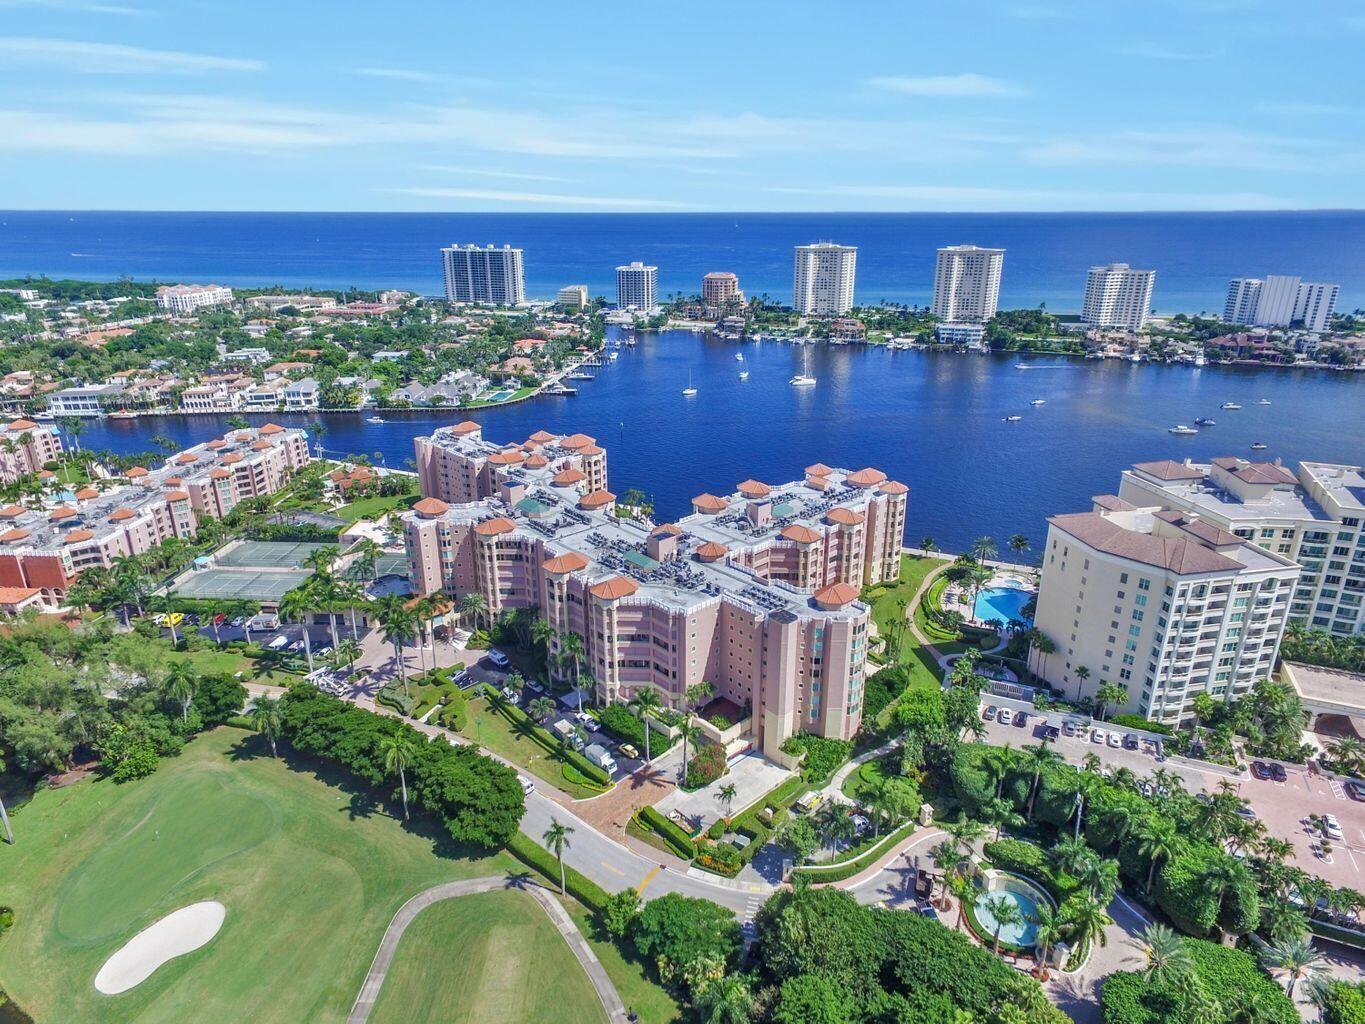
(647, 106)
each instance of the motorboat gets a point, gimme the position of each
(1013, 419)
(1263, 401)
(1204, 421)
(1181, 429)
(1022, 366)
(803, 379)
(739, 357)
(1230, 405)
(1259, 446)
(123, 414)
(743, 374)
(1038, 401)
(374, 419)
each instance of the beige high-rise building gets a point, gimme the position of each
(1313, 517)
(967, 283)
(721, 288)
(756, 592)
(822, 284)
(1162, 602)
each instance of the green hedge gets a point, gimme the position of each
(1128, 720)
(580, 887)
(838, 872)
(1025, 859)
(669, 831)
(619, 722)
(391, 695)
(824, 756)
(1226, 974)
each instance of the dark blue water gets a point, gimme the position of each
(932, 420)
(1047, 254)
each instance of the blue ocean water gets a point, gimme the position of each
(1194, 254)
(935, 420)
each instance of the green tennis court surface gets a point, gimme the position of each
(267, 554)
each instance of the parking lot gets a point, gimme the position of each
(1284, 806)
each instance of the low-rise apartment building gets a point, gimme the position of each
(47, 549)
(184, 299)
(1312, 517)
(1162, 602)
(25, 446)
(756, 592)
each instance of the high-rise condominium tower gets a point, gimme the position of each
(486, 275)
(822, 283)
(967, 283)
(1118, 296)
(637, 286)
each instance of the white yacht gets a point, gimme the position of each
(1181, 429)
(739, 356)
(374, 419)
(1259, 446)
(689, 391)
(1263, 401)
(1230, 405)
(743, 374)
(803, 379)
(1038, 401)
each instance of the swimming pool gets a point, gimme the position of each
(1026, 900)
(1002, 603)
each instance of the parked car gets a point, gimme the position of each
(238, 621)
(1069, 727)
(989, 714)
(496, 658)
(1130, 742)
(1332, 828)
(1260, 770)
(628, 750)
(1244, 811)
(534, 686)
(527, 786)
(587, 721)
(1355, 790)
(1005, 716)
(1098, 736)
(1278, 773)
(1114, 740)
(1051, 732)
(1021, 720)
(511, 694)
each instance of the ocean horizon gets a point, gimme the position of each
(1047, 254)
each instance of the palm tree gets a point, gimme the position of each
(928, 545)
(556, 840)
(264, 713)
(396, 623)
(180, 686)
(399, 752)
(1082, 674)
(947, 858)
(1109, 693)
(727, 1001)
(473, 605)
(1005, 911)
(984, 548)
(1018, 543)
(1101, 877)
(996, 763)
(1157, 842)
(544, 633)
(1000, 812)
(1296, 960)
(689, 734)
(1164, 952)
(541, 708)
(1050, 929)
(1088, 921)
(726, 795)
(1037, 757)
(425, 610)
(646, 703)
(1042, 643)
(571, 647)
(347, 652)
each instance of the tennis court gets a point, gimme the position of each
(267, 554)
(387, 564)
(240, 584)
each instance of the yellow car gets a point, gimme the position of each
(174, 619)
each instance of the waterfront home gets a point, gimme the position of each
(264, 397)
(301, 395)
(286, 369)
(92, 400)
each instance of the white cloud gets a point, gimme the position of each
(486, 172)
(966, 197)
(1192, 148)
(537, 198)
(963, 85)
(115, 58)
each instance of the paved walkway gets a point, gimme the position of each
(407, 913)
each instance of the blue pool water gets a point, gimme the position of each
(1003, 603)
(1021, 934)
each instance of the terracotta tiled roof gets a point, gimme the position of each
(46, 474)
(708, 503)
(541, 436)
(613, 589)
(671, 529)
(868, 477)
(800, 534)
(174, 481)
(495, 527)
(62, 513)
(894, 487)
(177, 496)
(12, 511)
(575, 441)
(215, 445)
(836, 595)
(591, 449)
(1113, 503)
(1167, 469)
(22, 425)
(507, 458)
(220, 474)
(261, 446)
(819, 469)
(712, 551)
(844, 516)
(13, 595)
(185, 458)
(86, 493)
(136, 472)
(79, 536)
(121, 514)
(271, 428)
(569, 476)
(596, 499)
(430, 508)
(754, 489)
(13, 535)
(572, 562)
(233, 459)
(467, 427)
(537, 462)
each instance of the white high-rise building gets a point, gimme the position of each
(822, 283)
(1244, 295)
(575, 296)
(1164, 603)
(637, 286)
(1315, 304)
(183, 299)
(1118, 296)
(967, 283)
(1281, 300)
(486, 275)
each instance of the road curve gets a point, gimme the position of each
(407, 913)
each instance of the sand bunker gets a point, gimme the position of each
(174, 935)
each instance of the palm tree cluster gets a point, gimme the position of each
(1315, 646)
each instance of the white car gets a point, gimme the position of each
(527, 786)
(237, 622)
(1332, 827)
(497, 658)
(1114, 740)
(587, 721)
(1005, 717)
(1098, 736)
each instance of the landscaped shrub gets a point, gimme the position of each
(1183, 892)
(721, 858)
(1226, 974)
(706, 766)
(1128, 720)
(824, 756)
(391, 695)
(668, 830)
(619, 722)
(1026, 859)
(881, 689)
(580, 887)
(1344, 1003)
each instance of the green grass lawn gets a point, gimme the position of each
(370, 508)
(232, 662)
(496, 734)
(490, 958)
(310, 868)
(889, 602)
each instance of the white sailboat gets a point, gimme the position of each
(803, 379)
(689, 391)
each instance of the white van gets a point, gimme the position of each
(278, 643)
(600, 756)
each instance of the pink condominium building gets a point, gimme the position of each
(755, 593)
